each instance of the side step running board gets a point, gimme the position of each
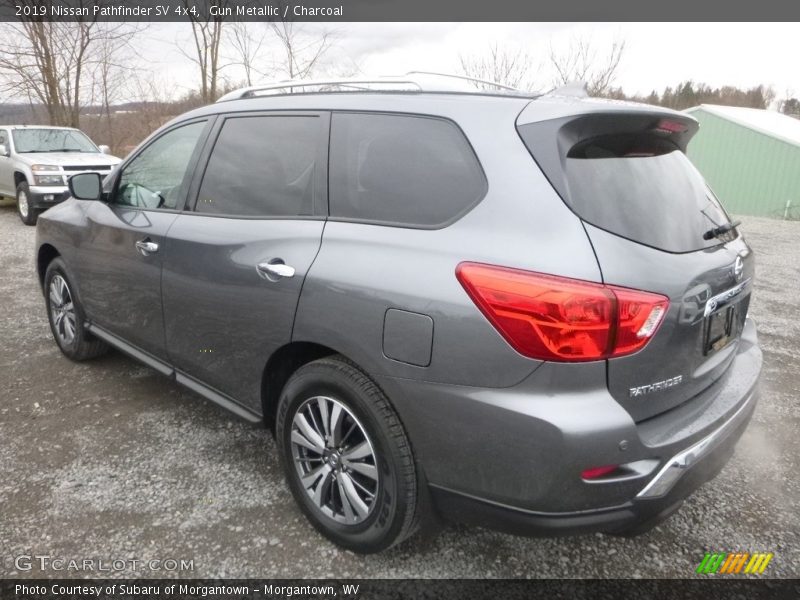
(165, 369)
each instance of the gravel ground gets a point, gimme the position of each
(109, 460)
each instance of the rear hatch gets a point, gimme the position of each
(655, 226)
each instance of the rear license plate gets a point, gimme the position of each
(720, 329)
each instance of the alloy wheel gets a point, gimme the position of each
(335, 460)
(62, 310)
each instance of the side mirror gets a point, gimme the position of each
(104, 149)
(86, 186)
(4, 151)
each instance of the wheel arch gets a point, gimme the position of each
(19, 177)
(44, 256)
(280, 367)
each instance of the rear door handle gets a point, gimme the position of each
(275, 270)
(146, 247)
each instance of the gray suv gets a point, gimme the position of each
(527, 313)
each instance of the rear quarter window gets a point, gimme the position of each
(401, 170)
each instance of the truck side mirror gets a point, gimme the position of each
(4, 150)
(104, 149)
(86, 186)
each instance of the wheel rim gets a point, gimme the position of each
(62, 310)
(335, 460)
(22, 200)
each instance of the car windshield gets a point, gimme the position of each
(52, 140)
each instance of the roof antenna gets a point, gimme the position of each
(573, 89)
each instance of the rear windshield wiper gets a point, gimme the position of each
(721, 230)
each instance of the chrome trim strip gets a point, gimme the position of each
(675, 467)
(723, 298)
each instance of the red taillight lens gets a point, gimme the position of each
(561, 319)
(597, 472)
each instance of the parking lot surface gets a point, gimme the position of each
(108, 460)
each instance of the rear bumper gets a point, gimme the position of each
(663, 495)
(511, 458)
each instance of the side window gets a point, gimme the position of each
(262, 166)
(400, 169)
(154, 178)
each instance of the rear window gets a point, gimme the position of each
(401, 170)
(639, 186)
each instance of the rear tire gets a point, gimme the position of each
(27, 214)
(66, 316)
(346, 457)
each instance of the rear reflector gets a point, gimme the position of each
(560, 319)
(597, 472)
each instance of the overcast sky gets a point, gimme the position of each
(656, 54)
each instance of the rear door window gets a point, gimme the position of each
(263, 166)
(401, 170)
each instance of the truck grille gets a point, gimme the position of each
(87, 168)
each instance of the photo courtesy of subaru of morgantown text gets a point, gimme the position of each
(575, 292)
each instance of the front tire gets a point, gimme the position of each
(346, 456)
(26, 212)
(66, 316)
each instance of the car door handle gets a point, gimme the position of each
(146, 247)
(275, 270)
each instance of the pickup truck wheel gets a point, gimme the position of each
(346, 456)
(27, 214)
(66, 316)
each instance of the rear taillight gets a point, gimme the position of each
(561, 319)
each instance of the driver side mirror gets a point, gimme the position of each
(86, 186)
(4, 150)
(104, 149)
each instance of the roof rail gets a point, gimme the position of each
(467, 78)
(290, 84)
(405, 82)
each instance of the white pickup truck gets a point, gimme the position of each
(36, 161)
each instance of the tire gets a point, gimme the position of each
(373, 456)
(27, 214)
(66, 316)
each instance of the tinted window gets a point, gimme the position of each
(638, 185)
(154, 178)
(657, 198)
(262, 166)
(414, 171)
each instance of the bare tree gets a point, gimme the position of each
(302, 49)
(54, 63)
(207, 33)
(45, 63)
(113, 69)
(246, 41)
(582, 62)
(501, 64)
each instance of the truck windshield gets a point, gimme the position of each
(52, 140)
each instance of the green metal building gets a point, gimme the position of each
(750, 158)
